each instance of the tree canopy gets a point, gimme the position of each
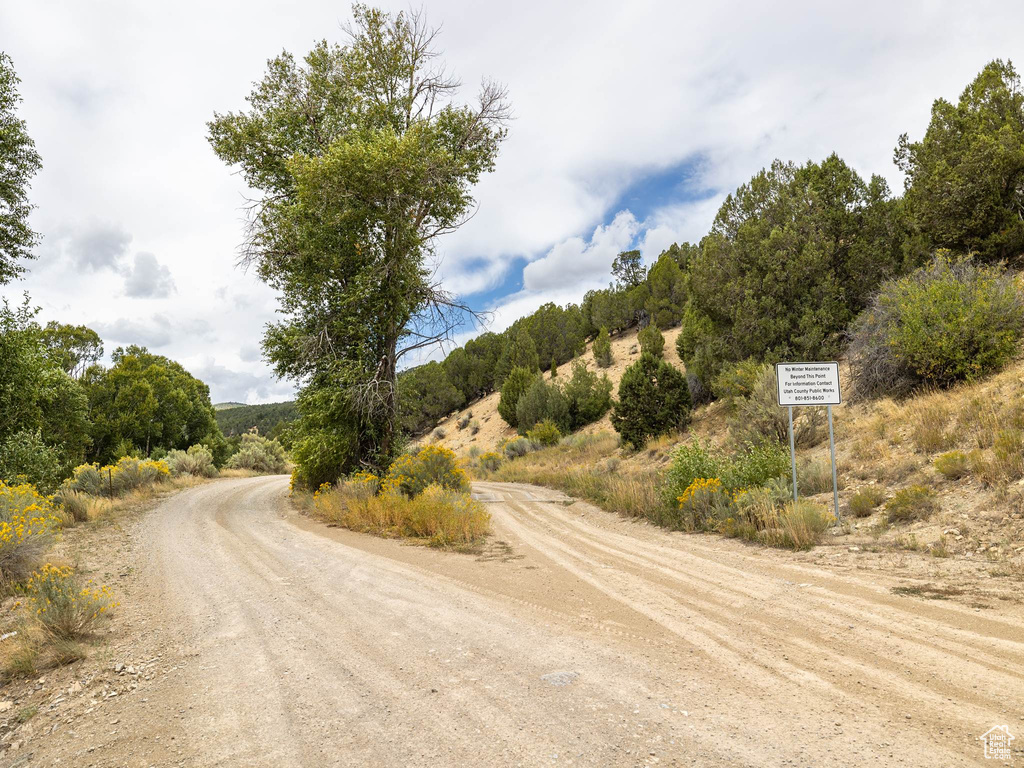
(19, 162)
(965, 178)
(148, 401)
(363, 162)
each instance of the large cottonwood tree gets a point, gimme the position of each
(362, 160)
(19, 162)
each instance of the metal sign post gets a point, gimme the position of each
(835, 481)
(810, 384)
(792, 450)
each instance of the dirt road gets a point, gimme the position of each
(576, 638)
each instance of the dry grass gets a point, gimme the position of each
(910, 504)
(438, 516)
(866, 501)
(584, 466)
(929, 422)
(102, 509)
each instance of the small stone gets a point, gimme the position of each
(5, 706)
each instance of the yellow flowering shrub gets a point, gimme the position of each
(28, 523)
(703, 501)
(64, 609)
(433, 464)
(490, 461)
(118, 479)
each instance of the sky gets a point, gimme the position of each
(632, 123)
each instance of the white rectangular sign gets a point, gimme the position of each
(808, 383)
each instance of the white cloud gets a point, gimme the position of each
(148, 278)
(573, 262)
(621, 91)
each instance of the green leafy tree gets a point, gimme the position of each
(73, 347)
(19, 162)
(26, 457)
(37, 398)
(516, 384)
(149, 402)
(965, 178)
(363, 161)
(667, 295)
(266, 418)
(652, 342)
(553, 368)
(472, 368)
(653, 399)
(792, 257)
(603, 348)
(542, 402)
(589, 396)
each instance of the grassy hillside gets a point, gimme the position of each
(227, 406)
(268, 418)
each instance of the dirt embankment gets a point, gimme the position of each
(250, 637)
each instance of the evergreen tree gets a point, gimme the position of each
(653, 399)
(965, 178)
(652, 342)
(603, 348)
(516, 383)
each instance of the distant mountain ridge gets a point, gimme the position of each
(269, 418)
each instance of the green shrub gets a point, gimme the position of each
(518, 446)
(410, 473)
(653, 399)
(603, 348)
(950, 321)
(914, 503)
(652, 342)
(953, 465)
(26, 458)
(86, 478)
(689, 463)
(259, 454)
(865, 501)
(516, 383)
(542, 402)
(196, 461)
(738, 379)
(545, 433)
(589, 396)
(754, 465)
